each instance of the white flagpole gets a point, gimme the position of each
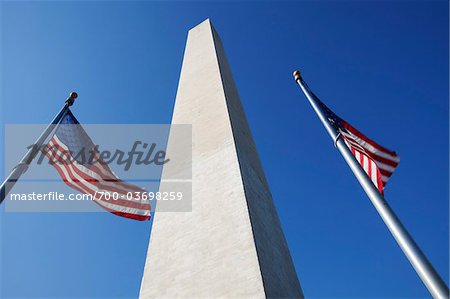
(418, 260)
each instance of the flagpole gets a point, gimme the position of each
(22, 166)
(434, 283)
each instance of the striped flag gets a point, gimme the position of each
(378, 162)
(75, 157)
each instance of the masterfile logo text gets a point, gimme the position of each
(101, 163)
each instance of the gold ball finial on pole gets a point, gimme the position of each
(73, 95)
(297, 75)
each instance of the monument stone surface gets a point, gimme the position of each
(231, 244)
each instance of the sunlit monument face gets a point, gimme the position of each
(231, 244)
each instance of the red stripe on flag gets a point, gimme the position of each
(83, 188)
(86, 177)
(366, 139)
(104, 171)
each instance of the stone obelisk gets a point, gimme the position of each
(231, 244)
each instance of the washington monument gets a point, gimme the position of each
(231, 244)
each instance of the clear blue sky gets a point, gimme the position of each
(381, 65)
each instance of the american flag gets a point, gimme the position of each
(377, 161)
(70, 150)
